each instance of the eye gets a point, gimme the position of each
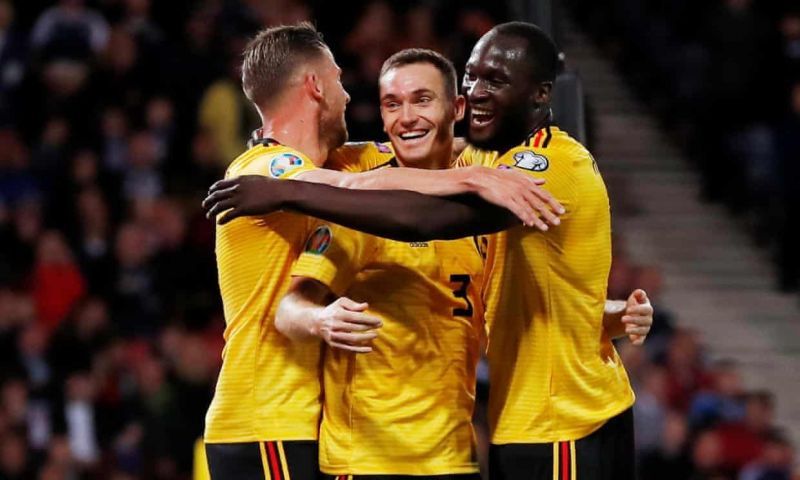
(424, 99)
(391, 105)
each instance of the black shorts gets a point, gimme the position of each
(294, 460)
(458, 476)
(607, 454)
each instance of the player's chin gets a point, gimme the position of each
(482, 137)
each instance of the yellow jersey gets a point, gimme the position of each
(361, 156)
(269, 387)
(554, 374)
(406, 407)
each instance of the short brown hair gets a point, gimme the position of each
(272, 56)
(411, 56)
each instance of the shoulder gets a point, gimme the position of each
(548, 149)
(276, 161)
(475, 156)
(361, 156)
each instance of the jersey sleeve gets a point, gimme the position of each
(358, 157)
(334, 255)
(280, 163)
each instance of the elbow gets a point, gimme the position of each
(282, 323)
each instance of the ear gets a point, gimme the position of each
(460, 107)
(541, 95)
(313, 84)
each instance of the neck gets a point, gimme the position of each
(297, 128)
(540, 118)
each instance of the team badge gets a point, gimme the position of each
(320, 240)
(383, 148)
(283, 163)
(531, 161)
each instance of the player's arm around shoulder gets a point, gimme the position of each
(315, 306)
(310, 310)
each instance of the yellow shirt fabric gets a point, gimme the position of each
(269, 387)
(554, 374)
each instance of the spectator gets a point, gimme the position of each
(744, 441)
(58, 282)
(722, 402)
(70, 30)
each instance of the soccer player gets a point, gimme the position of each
(406, 407)
(560, 398)
(263, 420)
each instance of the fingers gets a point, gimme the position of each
(216, 197)
(352, 342)
(355, 321)
(350, 348)
(637, 319)
(523, 212)
(219, 207)
(230, 215)
(637, 340)
(537, 202)
(352, 305)
(222, 185)
(640, 296)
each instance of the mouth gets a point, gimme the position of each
(481, 118)
(413, 136)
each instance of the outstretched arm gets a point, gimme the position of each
(396, 214)
(303, 315)
(515, 191)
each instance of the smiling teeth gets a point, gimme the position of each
(413, 134)
(481, 112)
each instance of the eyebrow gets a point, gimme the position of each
(419, 91)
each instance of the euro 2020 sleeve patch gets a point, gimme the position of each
(529, 160)
(282, 164)
(319, 241)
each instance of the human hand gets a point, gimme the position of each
(243, 196)
(519, 193)
(344, 325)
(638, 316)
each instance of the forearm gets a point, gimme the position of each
(297, 317)
(612, 318)
(429, 182)
(399, 215)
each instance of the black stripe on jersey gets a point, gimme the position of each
(267, 142)
(390, 163)
(548, 137)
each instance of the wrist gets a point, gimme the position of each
(314, 329)
(469, 179)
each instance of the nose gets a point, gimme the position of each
(346, 97)
(407, 115)
(478, 91)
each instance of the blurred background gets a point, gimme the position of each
(117, 115)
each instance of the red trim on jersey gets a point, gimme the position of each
(272, 455)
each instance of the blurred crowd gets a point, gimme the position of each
(115, 117)
(694, 418)
(724, 76)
